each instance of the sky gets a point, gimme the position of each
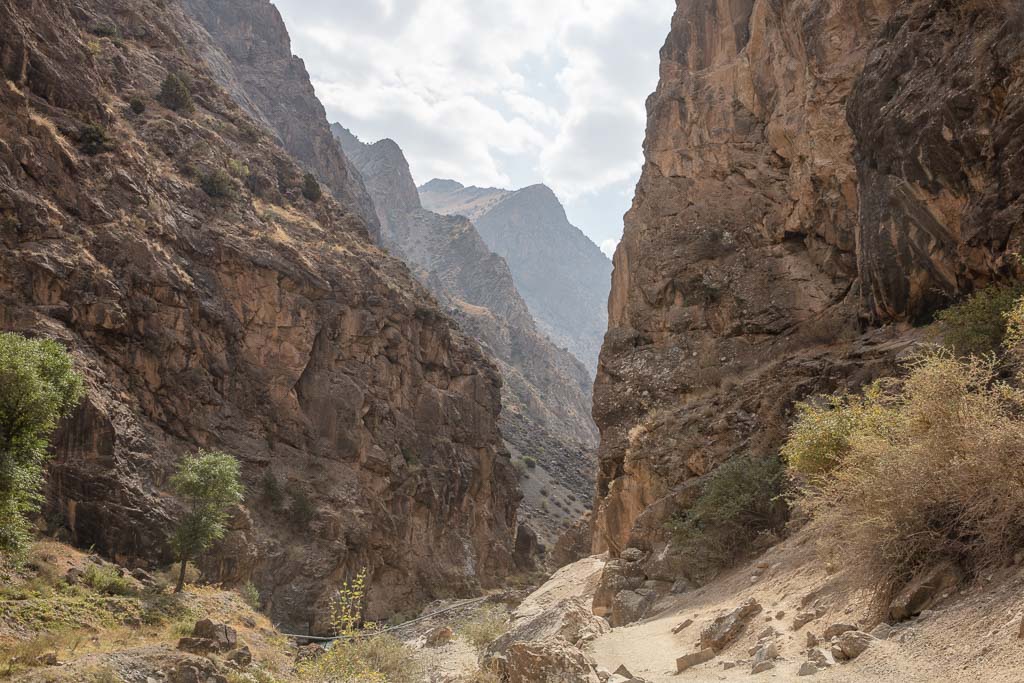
(495, 93)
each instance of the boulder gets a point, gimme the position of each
(550, 660)
(208, 637)
(682, 625)
(725, 629)
(803, 618)
(837, 629)
(925, 590)
(807, 669)
(242, 657)
(694, 658)
(853, 643)
(629, 606)
(764, 658)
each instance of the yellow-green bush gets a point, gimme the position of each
(940, 477)
(977, 325)
(375, 659)
(483, 628)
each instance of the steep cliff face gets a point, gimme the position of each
(562, 275)
(249, 53)
(546, 391)
(819, 175)
(246, 318)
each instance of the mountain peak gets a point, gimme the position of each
(442, 185)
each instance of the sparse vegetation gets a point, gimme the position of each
(251, 595)
(740, 500)
(270, 490)
(348, 606)
(311, 188)
(38, 387)
(486, 626)
(940, 478)
(379, 658)
(301, 510)
(531, 462)
(106, 579)
(208, 484)
(977, 325)
(217, 184)
(92, 139)
(176, 95)
(137, 105)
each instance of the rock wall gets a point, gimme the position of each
(252, 320)
(819, 175)
(545, 392)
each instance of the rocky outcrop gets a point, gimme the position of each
(562, 275)
(246, 317)
(818, 176)
(249, 53)
(546, 391)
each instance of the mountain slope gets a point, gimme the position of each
(243, 317)
(546, 391)
(562, 275)
(818, 176)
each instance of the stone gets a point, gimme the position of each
(807, 669)
(728, 664)
(765, 653)
(681, 586)
(553, 659)
(803, 618)
(47, 659)
(761, 667)
(853, 643)
(812, 640)
(724, 630)
(882, 631)
(821, 659)
(242, 657)
(623, 671)
(682, 625)
(837, 629)
(73, 576)
(223, 636)
(925, 590)
(438, 636)
(694, 658)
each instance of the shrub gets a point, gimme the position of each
(138, 106)
(106, 579)
(376, 659)
(486, 626)
(311, 188)
(941, 480)
(301, 510)
(217, 183)
(104, 30)
(977, 325)
(820, 438)
(270, 490)
(208, 484)
(175, 94)
(38, 387)
(530, 461)
(92, 139)
(251, 594)
(348, 606)
(238, 169)
(740, 500)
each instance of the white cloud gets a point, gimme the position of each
(608, 247)
(495, 93)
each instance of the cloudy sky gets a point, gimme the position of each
(496, 93)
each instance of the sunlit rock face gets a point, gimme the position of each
(819, 175)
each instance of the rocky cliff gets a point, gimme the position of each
(819, 175)
(563, 276)
(249, 54)
(211, 303)
(546, 392)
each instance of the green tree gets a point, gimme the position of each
(38, 387)
(311, 188)
(208, 483)
(175, 94)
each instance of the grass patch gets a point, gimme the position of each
(482, 629)
(376, 659)
(106, 579)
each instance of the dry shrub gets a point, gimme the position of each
(376, 659)
(977, 325)
(484, 627)
(941, 478)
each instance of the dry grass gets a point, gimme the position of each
(484, 627)
(941, 479)
(377, 659)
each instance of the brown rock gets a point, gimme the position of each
(837, 629)
(725, 629)
(694, 658)
(853, 643)
(438, 636)
(925, 590)
(683, 625)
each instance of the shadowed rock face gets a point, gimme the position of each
(259, 323)
(546, 391)
(562, 275)
(818, 174)
(250, 55)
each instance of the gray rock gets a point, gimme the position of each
(882, 631)
(925, 590)
(694, 658)
(837, 629)
(725, 629)
(807, 669)
(854, 643)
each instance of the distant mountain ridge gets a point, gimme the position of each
(546, 389)
(564, 277)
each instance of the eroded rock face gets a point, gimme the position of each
(546, 392)
(258, 322)
(818, 174)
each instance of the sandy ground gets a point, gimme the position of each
(973, 636)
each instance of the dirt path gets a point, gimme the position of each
(973, 637)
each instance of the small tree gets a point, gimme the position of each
(311, 188)
(38, 387)
(174, 94)
(209, 485)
